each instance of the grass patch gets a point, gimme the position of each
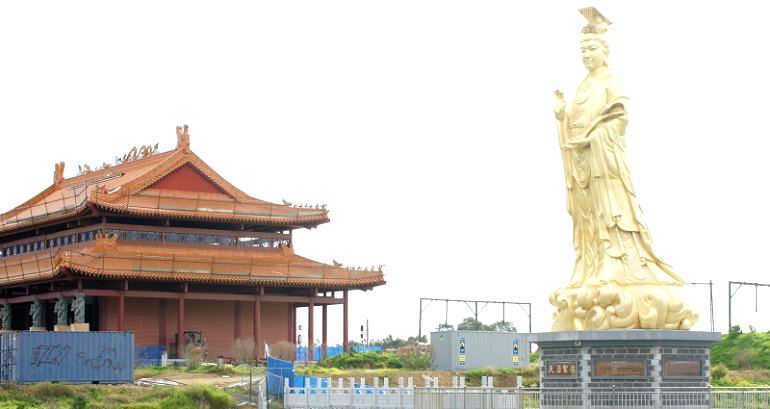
(505, 376)
(228, 370)
(378, 360)
(56, 396)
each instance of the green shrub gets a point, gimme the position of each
(719, 372)
(742, 350)
(378, 360)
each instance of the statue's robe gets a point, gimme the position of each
(612, 243)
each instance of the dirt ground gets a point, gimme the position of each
(206, 379)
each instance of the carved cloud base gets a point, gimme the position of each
(611, 306)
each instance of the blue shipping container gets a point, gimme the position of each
(67, 357)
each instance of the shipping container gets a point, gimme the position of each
(67, 357)
(463, 350)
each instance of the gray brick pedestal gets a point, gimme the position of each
(652, 368)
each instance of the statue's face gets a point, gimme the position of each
(593, 54)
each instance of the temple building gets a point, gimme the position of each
(162, 245)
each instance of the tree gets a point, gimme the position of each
(471, 324)
(389, 342)
(503, 326)
(445, 327)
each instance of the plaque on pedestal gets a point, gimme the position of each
(62, 328)
(591, 365)
(37, 329)
(82, 327)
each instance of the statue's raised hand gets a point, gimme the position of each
(559, 104)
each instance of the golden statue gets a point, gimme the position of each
(618, 281)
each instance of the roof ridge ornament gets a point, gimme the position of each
(58, 173)
(134, 154)
(182, 138)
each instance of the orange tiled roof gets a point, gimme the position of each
(128, 188)
(110, 258)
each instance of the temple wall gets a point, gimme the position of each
(215, 319)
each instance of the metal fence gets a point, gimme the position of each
(524, 398)
(359, 395)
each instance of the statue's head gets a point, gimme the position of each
(594, 51)
(594, 48)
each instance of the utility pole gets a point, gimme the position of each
(711, 301)
(419, 331)
(731, 294)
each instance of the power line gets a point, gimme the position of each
(731, 294)
(474, 310)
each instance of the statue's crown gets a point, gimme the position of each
(597, 23)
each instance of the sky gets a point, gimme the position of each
(425, 126)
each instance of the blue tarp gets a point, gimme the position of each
(277, 371)
(149, 355)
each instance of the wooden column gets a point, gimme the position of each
(310, 308)
(237, 319)
(345, 320)
(162, 322)
(180, 323)
(122, 307)
(290, 308)
(258, 323)
(324, 332)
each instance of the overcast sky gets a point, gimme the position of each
(426, 126)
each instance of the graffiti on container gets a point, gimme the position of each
(49, 354)
(107, 359)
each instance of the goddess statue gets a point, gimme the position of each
(36, 311)
(5, 316)
(617, 281)
(79, 308)
(61, 310)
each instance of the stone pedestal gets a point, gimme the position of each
(604, 368)
(82, 327)
(37, 329)
(60, 328)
